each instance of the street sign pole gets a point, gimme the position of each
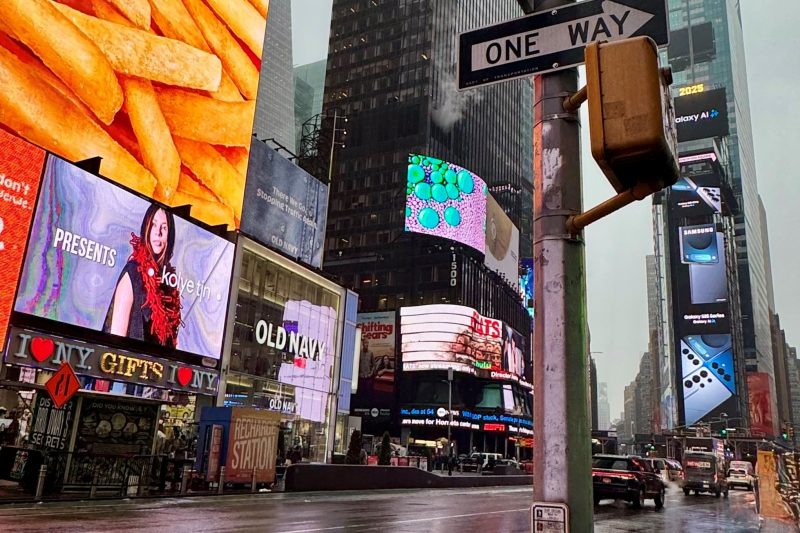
(562, 457)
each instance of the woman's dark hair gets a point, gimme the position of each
(144, 234)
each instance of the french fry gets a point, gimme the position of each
(42, 115)
(138, 53)
(70, 54)
(262, 6)
(200, 118)
(244, 20)
(40, 70)
(214, 171)
(236, 156)
(211, 213)
(175, 22)
(106, 11)
(236, 61)
(188, 184)
(155, 140)
(137, 11)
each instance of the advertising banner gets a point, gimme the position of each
(163, 92)
(377, 363)
(770, 502)
(438, 416)
(439, 337)
(104, 259)
(37, 350)
(445, 200)
(252, 445)
(116, 427)
(51, 427)
(702, 115)
(308, 359)
(760, 403)
(285, 207)
(697, 196)
(502, 243)
(21, 166)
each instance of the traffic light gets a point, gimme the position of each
(724, 432)
(631, 115)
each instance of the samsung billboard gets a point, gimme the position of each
(702, 115)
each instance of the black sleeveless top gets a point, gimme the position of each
(140, 319)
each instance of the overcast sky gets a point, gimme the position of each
(616, 247)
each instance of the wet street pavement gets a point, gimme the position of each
(431, 511)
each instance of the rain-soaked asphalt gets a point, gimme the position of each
(429, 511)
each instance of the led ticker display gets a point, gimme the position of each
(445, 200)
(164, 92)
(20, 171)
(439, 337)
(102, 258)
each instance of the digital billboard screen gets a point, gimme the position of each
(502, 243)
(702, 115)
(697, 196)
(760, 403)
(285, 207)
(102, 258)
(376, 366)
(444, 336)
(21, 166)
(164, 91)
(445, 200)
(708, 375)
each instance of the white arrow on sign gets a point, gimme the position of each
(616, 22)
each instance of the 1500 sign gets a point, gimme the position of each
(34, 349)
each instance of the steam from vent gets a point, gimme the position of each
(451, 103)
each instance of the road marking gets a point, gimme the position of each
(412, 521)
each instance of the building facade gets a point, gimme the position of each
(603, 408)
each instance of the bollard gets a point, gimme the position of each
(221, 485)
(93, 488)
(185, 479)
(40, 482)
(142, 476)
(253, 484)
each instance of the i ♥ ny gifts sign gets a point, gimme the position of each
(33, 349)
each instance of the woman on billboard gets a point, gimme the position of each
(143, 306)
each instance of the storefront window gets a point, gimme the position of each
(284, 346)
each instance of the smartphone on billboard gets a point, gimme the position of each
(708, 282)
(698, 244)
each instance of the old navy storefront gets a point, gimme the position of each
(285, 349)
(84, 277)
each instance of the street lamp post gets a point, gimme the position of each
(336, 116)
(450, 421)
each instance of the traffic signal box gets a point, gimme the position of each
(631, 115)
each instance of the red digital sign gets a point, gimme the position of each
(20, 172)
(494, 427)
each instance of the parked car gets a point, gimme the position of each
(675, 472)
(626, 477)
(704, 472)
(659, 465)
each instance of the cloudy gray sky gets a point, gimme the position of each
(616, 246)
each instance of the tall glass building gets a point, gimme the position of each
(707, 50)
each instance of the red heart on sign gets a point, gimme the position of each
(184, 376)
(41, 348)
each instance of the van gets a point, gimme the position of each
(704, 472)
(741, 474)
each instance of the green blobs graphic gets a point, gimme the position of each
(465, 182)
(439, 193)
(428, 218)
(408, 212)
(452, 216)
(437, 177)
(415, 173)
(450, 176)
(452, 191)
(423, 191)
(435, 161)
(415, 160)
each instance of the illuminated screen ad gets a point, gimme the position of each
(696, 196)
(760, 404)
(163, 91)
(445, 200)
(702, 115)
(21, 166)
(502, 243)
(104, 259)
(440, 337)
(708, 374)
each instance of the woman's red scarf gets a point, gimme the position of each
(164, 301)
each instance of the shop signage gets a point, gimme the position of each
(47, 352)
(252, 445)
(295, 343)
(51, 427)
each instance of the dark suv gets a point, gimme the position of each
(626, 477)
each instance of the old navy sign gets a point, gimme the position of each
(285, 339)
(554, 39)
(47, 352)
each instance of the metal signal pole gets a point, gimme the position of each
(562, 450)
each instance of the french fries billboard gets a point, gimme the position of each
(163, 90)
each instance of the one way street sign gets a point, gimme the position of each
(555, 39)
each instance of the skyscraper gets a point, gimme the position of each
(706, 54)
(275, 109)
(603, 408)
(392, 73)
(309, 90)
